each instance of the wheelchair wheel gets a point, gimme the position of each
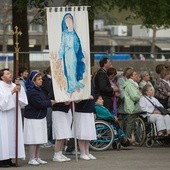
(104, 134)
(149, 143)
(139, 131)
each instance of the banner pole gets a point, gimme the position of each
(75, 138)
(16, 33)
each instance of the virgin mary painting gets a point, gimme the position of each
(71, 56)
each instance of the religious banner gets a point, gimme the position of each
(68, 38)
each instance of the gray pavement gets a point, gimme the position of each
(131, 158)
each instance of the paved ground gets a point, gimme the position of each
(131, 158)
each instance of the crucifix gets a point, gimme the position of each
(17, 48)
(16, 33)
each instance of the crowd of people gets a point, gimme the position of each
(41, 119)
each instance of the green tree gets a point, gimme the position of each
(114, 16)
(154, 14)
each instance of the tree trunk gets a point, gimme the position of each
(153, 41)
(20, 20)
(91, 41)
(91, 23)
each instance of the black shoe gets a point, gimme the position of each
(125, 142)
(4, 164)
(10, 163)
(123, 139)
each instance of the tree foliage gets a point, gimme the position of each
(152, 13)
(155, 14)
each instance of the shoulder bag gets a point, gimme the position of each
(160, 108)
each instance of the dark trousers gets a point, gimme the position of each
(130, 124)
(108, 103)
(70, 145)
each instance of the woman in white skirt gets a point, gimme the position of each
(85, 127)
(61, 128)
(35, 125)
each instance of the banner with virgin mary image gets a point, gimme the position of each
(68, 38)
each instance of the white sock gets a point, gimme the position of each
(57, 153)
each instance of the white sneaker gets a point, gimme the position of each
(64, 157)
(58, 158)
(85, 157)
(40, 161)
(33, 162)
(92, 157)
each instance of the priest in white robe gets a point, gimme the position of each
(8, 118)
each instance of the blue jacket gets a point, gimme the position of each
(37, 104)
(58, 106)
(103, 113)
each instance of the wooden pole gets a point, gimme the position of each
(16, 33)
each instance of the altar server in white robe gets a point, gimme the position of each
(8, 118)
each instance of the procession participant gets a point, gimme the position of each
(35, 123)
(8, 118)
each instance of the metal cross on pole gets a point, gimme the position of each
(16, 33)
(17, 48)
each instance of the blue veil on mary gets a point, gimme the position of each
(80, 68)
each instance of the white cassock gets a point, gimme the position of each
(8, 121)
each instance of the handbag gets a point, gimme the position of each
(160, 108)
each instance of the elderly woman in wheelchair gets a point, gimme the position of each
(148, 103)
(104, 114)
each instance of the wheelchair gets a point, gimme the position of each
(107, 136)
(146, 132)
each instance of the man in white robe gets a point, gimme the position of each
(8, 118)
